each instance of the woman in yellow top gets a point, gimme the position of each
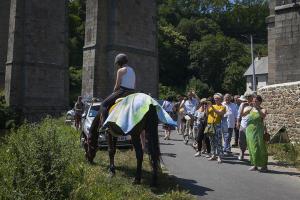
(215, 114)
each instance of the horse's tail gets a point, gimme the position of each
(151, 129)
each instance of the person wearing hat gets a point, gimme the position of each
(228, 122)
(190, 106)
(237, 103)
(124, 85)
(242, 98)
(242, 121)
(201, 121)
(215, 114)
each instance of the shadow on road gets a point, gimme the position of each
(173, 155)
(176, 139)
(233, 160)
(296, 174)
(192, 186)
(166, 144)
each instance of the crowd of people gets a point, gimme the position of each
(212, 122)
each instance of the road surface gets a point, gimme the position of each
(230, 180)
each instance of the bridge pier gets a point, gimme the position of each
(112, 27)
(36, 81)
(4, 19)
(284, 41)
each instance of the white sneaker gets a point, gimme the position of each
(208, 155)
(212, 158)
(253, 168)
(219, 159)
(197, 154)
(241, 157)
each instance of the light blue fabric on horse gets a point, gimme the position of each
(131, 110)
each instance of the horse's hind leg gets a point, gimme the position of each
(152, 137)
(112, 142)
(139, 157)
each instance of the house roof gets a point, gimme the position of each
(261, 67)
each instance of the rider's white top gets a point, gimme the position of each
(128, 79)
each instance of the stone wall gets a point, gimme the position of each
(284, 41)
(282, 102)
(36, 81)
(4, 19)
(112, 27)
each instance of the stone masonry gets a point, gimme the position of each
(4, 19)
(114, 26)
(36, 80)
(282, 102)
(284, 41)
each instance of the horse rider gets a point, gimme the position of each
(124, 85)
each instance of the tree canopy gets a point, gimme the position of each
(201, 43)
(214, 51)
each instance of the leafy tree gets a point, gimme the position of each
(212, 55)
(76, 31)
(166, 91)
(75, 84)
(195, 29)
(201, 89)
(234, 81)
(244, 20)
(173, 56)
(207, 59)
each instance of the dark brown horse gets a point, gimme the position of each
(149, 124)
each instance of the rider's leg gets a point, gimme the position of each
(108, 102)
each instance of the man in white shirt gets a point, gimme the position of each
(190, 106)
(228, 122)
(243, 122)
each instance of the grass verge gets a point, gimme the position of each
(45, 161)
(286, 154)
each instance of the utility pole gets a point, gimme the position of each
(253, 66)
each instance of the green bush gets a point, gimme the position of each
(40, 161)
(9, 118)
(45, 161)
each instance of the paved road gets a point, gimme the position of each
(230, 180)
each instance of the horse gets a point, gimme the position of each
(148, 124)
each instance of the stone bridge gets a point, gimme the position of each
(34, 51)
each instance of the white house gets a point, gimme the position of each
(261, 73)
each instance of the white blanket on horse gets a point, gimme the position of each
(131, 110)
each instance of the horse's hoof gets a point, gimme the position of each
(136, 182)
(112, 171)
(111, 174)
(91, 162)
